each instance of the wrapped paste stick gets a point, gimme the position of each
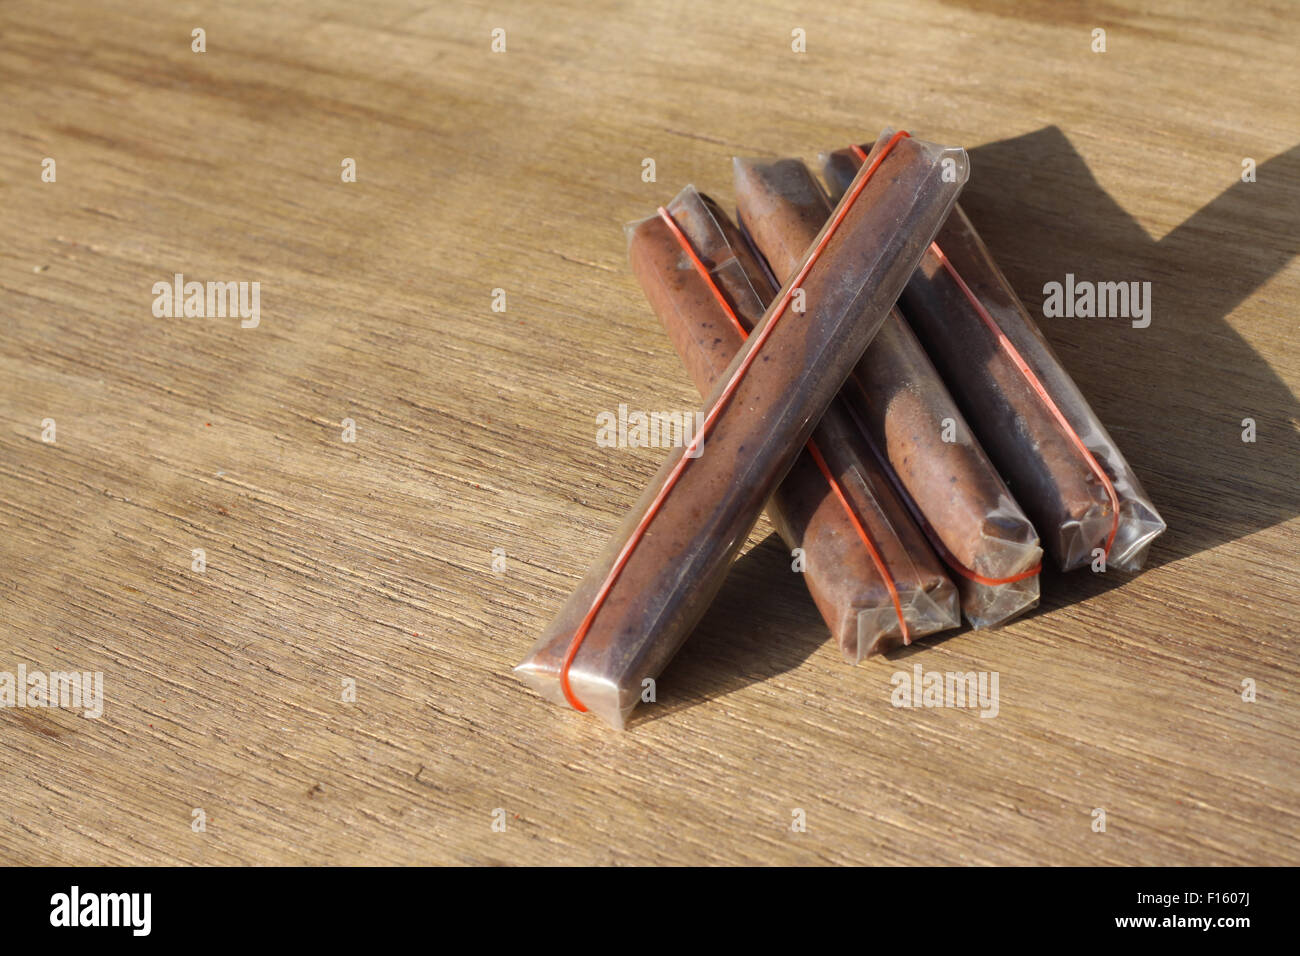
(1029, 414)
(908, 417)
(868, 567)
(654, 580)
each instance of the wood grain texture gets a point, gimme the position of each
(371, 560)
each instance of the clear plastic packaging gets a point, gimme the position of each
(1061, 487)
(853, 581)
(908, 418)
(655, 578)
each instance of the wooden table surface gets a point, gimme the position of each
(371, 561)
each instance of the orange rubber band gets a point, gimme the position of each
(1041, 390)
(1014, 354)
(728, 390)
(876, 558)
(905, 496)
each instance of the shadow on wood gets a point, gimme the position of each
(1043, 215)
(762, 623)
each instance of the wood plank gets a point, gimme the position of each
(372, 560)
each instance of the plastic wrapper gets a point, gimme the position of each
(708, 299)
(909, 418)
(1071, 492)
(656, 577)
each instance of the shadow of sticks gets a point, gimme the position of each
(1172, 395)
